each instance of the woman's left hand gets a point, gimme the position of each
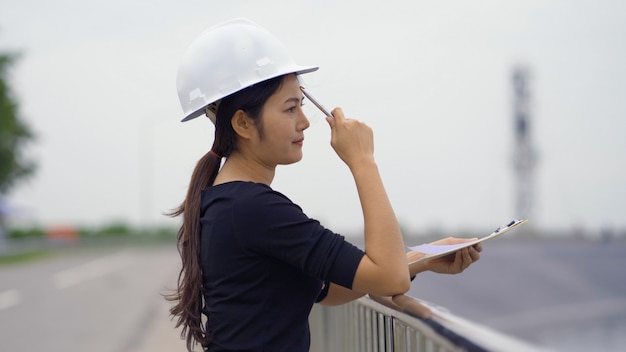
(453, 263)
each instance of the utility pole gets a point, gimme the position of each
(524, 157)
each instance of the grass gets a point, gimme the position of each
(19, 258)
(29, 247)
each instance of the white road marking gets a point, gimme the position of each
(91, 270)
(9, 298)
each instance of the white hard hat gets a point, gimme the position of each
(226, 58)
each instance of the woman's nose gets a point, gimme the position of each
(304, 121)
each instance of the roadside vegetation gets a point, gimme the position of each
(25, 244)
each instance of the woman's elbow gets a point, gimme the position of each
(401, 286)
(373, 279)
(392, 287)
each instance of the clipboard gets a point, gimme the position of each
(435, 251)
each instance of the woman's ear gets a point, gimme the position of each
(242, 124)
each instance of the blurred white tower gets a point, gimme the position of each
(524, 158)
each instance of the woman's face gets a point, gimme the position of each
(283, 122)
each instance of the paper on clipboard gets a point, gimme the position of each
(434, 251)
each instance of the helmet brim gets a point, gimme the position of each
(298, 71)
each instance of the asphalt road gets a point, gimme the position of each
(566, 295)
(570, 296)
(105, 299)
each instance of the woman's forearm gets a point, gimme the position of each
(384, 246)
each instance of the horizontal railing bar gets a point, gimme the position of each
(402, 323)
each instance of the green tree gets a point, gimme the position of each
(14, 134)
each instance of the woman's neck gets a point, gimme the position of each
(238, 167)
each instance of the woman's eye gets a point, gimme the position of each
(294, 108)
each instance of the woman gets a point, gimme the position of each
(253, 262)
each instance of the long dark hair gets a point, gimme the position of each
(188, 296)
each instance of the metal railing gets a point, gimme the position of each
(399, 324)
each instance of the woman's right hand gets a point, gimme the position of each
(352, 140)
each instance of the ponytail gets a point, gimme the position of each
(188, 297)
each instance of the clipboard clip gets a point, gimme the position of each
(509, 225)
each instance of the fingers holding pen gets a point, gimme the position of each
(338, 115)
(337, 118)
(353, 140)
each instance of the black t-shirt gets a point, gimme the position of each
(264, 263)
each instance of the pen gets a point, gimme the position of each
(319, 106)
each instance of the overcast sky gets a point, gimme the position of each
(96, 81)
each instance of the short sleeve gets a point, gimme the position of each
(324, 292)
(274, 226)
